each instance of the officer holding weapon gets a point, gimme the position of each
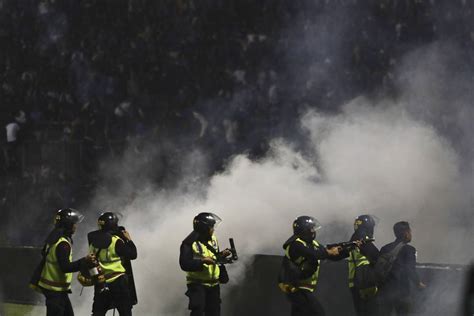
(300, 267)
(362, 255)
(203, 263)
(113, 279)
(362, 259)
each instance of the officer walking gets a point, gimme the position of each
(112, 246)
(199, 254)
(306, 253)
(396, 292)
(363, 257)
(54, 274)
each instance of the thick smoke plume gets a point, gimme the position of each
(384, 157)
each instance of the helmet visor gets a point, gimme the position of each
(369, 218)
(316, 224)
(366, 221)
(75, 216)
(118, 215)
(80, 218)
(216, 219)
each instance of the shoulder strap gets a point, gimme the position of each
(199, 247)
(211, 249)
(45, 250)
(97, 253)
(394, 252)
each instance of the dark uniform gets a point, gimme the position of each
(397, 292)
(202, 278)
(305, 253)
(54, 274)
(111, 248)
(366, 255)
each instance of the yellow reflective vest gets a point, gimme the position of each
(52, 277)
(309, 283)
(209, 275)
(109, 261)
(357, 260)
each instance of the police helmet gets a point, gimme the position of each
(366, 223)
(108, 221)
(67, 217)
(306, 226)
(205, 221)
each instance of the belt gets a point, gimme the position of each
(307, 286)
(194, 280)
(113, 275)
(53, 283)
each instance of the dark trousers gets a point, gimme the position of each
(363, 307)
(204, 300)
(12, 157)
(389, 302)
(305, 303)
(58, 303)
(118, 296)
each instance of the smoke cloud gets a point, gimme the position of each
(385, 157)
(404, 158)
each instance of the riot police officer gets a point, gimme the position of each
(306, 253)
(112, 246)
(53, 275)
(363, 258)
(199, 258)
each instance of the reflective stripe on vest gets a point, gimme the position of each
(209, 275)
(309, 283)
(356, 259)
(52, 277)
(110, 262)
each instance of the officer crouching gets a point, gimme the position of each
(199, 254)
(112, 247)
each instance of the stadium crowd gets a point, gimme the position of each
(81, 80)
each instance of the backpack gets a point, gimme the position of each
(385, 262)
(288, 276)
(364, 275)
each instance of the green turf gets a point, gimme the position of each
(21, 310)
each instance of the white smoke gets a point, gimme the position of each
(391, 158)
(370, 158)
(396, 159)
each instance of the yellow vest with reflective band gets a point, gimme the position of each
(356, 259)
(109, 261)
(52, 277)
(309, 283)
(209, 275)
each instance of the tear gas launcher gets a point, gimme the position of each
(229, 259)
(350, 245)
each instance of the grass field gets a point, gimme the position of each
(22, 310)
